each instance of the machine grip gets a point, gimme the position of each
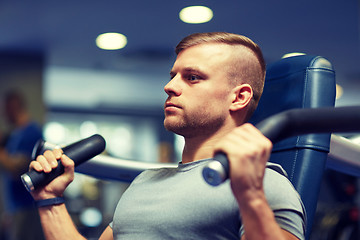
(79, 152)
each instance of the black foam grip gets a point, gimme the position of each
(79, 152)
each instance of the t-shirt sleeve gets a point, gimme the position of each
(285, 202)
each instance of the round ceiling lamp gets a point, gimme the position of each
(111, 41)
(196, 14)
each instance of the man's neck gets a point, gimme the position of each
(201, 147)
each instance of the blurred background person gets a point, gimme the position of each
(19, 214)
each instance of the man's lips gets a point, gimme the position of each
(169, 105)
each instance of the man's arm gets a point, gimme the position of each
(259, 221)
(107, 234)
(55, 219)
(248, 152)
(57, 223)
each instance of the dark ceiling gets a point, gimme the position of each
(65, 31)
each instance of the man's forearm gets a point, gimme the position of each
(57, 223)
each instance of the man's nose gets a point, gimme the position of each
(172, 87)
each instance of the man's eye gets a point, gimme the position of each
(193, 77)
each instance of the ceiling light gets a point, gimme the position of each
(111, 41)
(196, 14)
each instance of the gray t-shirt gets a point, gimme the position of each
(176, 203)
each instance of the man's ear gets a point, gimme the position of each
(241, 97)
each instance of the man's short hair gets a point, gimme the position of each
(253, 76)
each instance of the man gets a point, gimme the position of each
(15, 157)
(216, 83)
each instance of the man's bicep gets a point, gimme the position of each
(107, 234)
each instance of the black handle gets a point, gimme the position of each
(79, 152)
(291, 123)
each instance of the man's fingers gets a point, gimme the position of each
(69, 166)
(47, 161)
(36, 166)
(52, 157)
(58, 152)
(44, 163)
(67, 162)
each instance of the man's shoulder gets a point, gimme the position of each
(154, 174)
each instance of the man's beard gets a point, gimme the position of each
(188, 128)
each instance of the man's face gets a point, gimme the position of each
(199, 91)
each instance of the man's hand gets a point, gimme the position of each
(55, 219)
(248, 151)
(46, 163)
